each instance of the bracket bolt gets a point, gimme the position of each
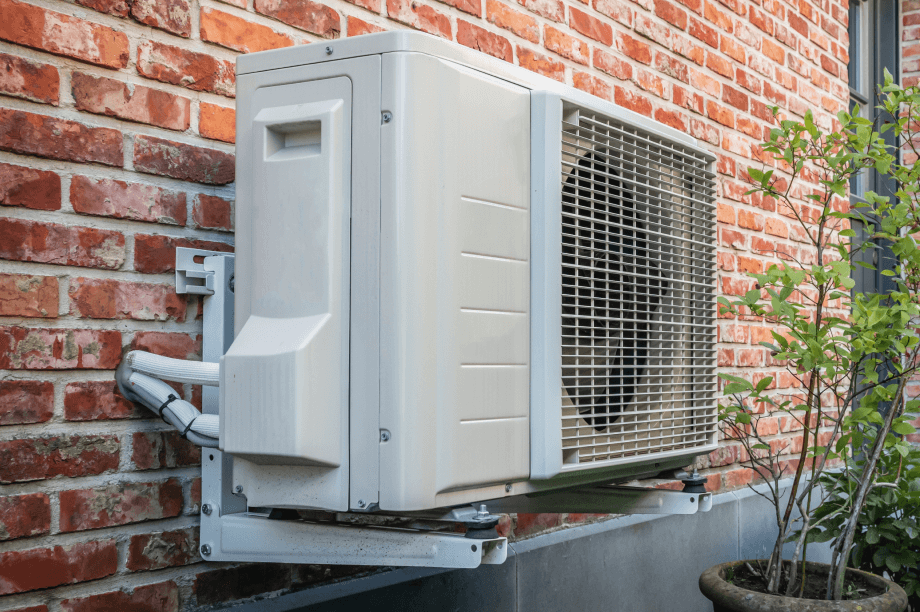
(508, 488)
(206, 509)
(232, 282)
(362, 503)
(387, 117)
(482, 511)
(384, 435)
(205, 549)
(328, 50)
(238, 489)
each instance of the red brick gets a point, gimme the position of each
(773, 51)
(98, 401)
(749, 265)
(161, 597)
(59, 34)
(719, 64)
(633, 101)
(760, 21)
(31, 134)
(174, 16)
(748, 81)
(590, 26)
(655, 31)
(551, 9)
(23, 78)
(616, 10)
(373, 6)
(474, 37)
(592, 85)
(135, 103)
(163, 449)
(734, 97)
(676, 120)
(157, 254)
(311, 16)
(733, 50)
(513, 20)
(541, 64)
(119, 504)
(531, 524)
(217, 122)
(720, 114)
(29, 188)
(238, 34)
(726, 358)
(25, 401)
(703, 32)
(704, 131)
(175, 345)
(671, 67)
(473, 7)
(59, 244)
(211, 212)
(685, 99)
(61, 349)
(705, 83)
(650, 81)
(152, 551)
(798, 24)
(182, 161)
(720, 19)
(357, 27)
(97, 298)
(565, 45)
(71, 456)
(111, 198)
(42, 568)
(419, 16)
(634, 48)
(612, 65)
(177, 66)
(23, 516)
(41, 608)
(737, 478)
(28, 296)
(119, 8)
(671, 13)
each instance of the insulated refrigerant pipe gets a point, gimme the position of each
(138, 377)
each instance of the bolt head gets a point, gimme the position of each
(362, 503)
(206, 509)
(384, 436)
(328, 50)
(205, 550)
(508, 488)
(387, 117)
(238, 489)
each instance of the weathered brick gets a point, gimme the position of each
(473, 7)
(160, 597)
(541, 64)
(419, 16)
(98, 401)
(238, 34)
(616, 10)
(22, 240)
(174, 16)
(119, 504)
(153, 450)
(22, 295)
(474, 37)
(373, 6)
(29, 188)
(25, 401)
(720, 114)
(773, 51)
(591, 26)
(634, 48)
(720, 19)
(592, 85)
(211, 212)
(612, 65)
(311, 16)
(671, 13)
(175, 345)
(60, 349)
(567, 46)
(735, 97)
(23, 516)
(531, 524)
(217, 122)
(633, 101)
(30, 134)
(98, 298)
(72, 456)
(24, 78)
(157, 254)
(33, 26)
(42, 568)
(357, 27)
(182, 161)
(719, 64)
(551, 9)
(135, 103)
(515, 21)
(676, 120)
(650, 81)
(112, 198)
(672, 67)
(152, 551)
(177, 66)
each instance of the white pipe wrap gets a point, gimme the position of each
(205, 428)
(176, 370)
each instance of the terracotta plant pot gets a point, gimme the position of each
(727, 597)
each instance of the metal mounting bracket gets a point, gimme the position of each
(606, 499)
(192, 277)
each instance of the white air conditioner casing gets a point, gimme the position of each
(457, 280)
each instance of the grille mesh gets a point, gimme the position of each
(638, 293)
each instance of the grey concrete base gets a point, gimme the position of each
(629, 564)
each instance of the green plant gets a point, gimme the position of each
(831, 339)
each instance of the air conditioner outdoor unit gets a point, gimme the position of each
(457, 280)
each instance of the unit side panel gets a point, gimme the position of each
(455, 288)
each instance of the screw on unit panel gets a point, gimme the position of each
(362, 503)
(508, 488)
(387, 116)
(384, 435)
(238, 489)
(206, 509)
(205, 550)
(328, 50)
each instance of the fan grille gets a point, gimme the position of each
(638, 293)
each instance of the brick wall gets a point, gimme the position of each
(116, 146)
